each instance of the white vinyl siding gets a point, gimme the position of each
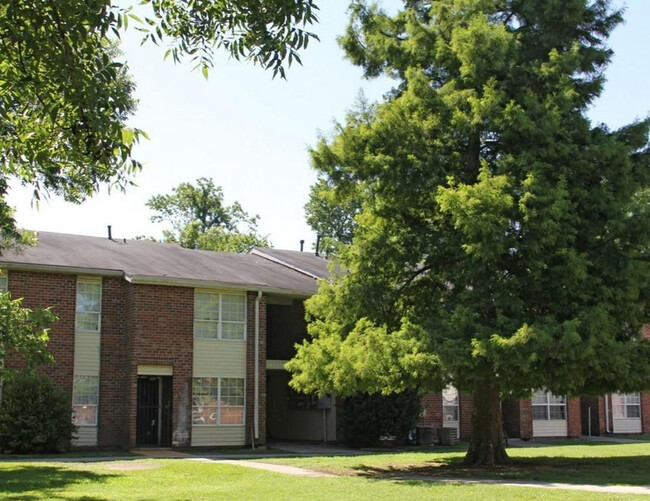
(87, 345)
(86, 436)
(626, 412)
(86, 354)
(219, 316)
(549, 415)
(219, 358)
(218, 435)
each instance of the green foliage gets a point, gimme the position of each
(24, 330)
(500, 231)
(200, 220)
(35, 415)
(65, 91)
(367, 418)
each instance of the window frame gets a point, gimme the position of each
(88, 281)
(219, 406)
(219, 321)
(548, 405)
(625, 403)
(95, 405)
(4, 283)
(450, 404)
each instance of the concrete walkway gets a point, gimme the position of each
(275, 468)
(614, 489)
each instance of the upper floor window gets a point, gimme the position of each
(219, 316)
(547, 406)
(626, 405)
(3, 283)
(89, 305)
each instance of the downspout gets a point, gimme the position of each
(607, 414)
(256, 398)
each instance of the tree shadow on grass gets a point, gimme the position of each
(625, 470)
(19, 481)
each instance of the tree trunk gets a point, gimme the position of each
(486, 447)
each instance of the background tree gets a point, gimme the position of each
(502, 244)
(200, 219)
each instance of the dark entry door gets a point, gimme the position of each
(154, 411)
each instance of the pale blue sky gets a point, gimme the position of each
(251, 133)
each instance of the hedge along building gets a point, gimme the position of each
(160, 345)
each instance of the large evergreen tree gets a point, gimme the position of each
(502, 244)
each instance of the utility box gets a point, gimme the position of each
(447, 436)
(425, 435)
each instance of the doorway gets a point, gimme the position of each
(154, 411)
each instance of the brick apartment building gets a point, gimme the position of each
(164, 346)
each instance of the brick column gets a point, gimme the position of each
(645, 412)
(526, 418)
(574, 423)
(465, 410)
(431, 415)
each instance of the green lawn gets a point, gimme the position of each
(375, 476)
(598, 463)
(181, 479)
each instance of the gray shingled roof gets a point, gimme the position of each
(306, 262)
(144, 261)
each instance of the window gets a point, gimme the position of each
(450, 404)
(218, 401)
(84, 400)
(89, 305)
(219, 316)
(547, 407)
(626, 405)
(3, 283)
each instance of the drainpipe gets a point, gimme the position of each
(256, 399)
(607, 414)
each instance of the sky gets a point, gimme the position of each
(251, 134)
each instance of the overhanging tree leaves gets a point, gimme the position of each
(502, 244)
(65, 92)
(200, 219)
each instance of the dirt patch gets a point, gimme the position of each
(132, 465)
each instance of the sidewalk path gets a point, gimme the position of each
(275, 468)
(614, 489)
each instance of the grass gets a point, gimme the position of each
(181, 479)
(597, 463)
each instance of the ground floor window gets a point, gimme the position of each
(85, 395)
(626, 405)
(547, 407)
(450, 404)
(218, 401)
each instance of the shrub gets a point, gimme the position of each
(35, 415)
(367, 418)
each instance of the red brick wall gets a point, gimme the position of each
(57, 291)
(466, 408)
(431, 414)
(645, 412)
(250, 368)
(161, 332)
(526, 418)
(113, 371)
(574, 420)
